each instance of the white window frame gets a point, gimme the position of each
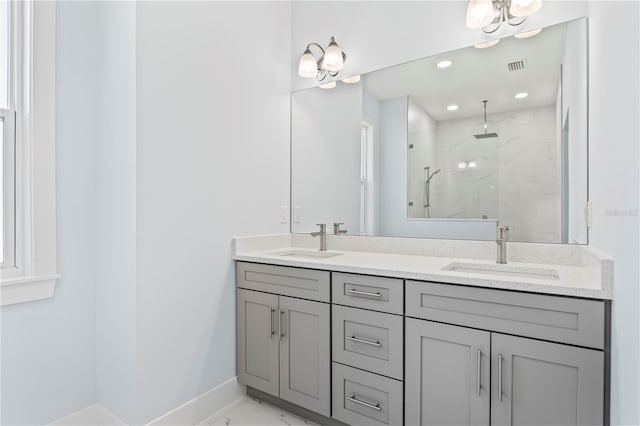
(8, 117)
(32, 275)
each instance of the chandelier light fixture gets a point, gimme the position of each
(331, 61)
(489, 15)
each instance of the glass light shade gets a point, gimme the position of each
(333, 60)
(308, 67)
(462, 165)
(473, 164)
(487, 44)
(329, 85)
(480, 13)
(352, 80)
(528, 34)
(524, 7)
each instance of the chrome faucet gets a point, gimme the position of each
(337, 230)
(502, 235)
(323, 236)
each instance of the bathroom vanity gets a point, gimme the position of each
(373, 338)
(382, 329)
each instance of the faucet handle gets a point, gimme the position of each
(337, 230)
(323, 226)
(502, 232)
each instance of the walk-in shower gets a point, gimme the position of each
(427, 196)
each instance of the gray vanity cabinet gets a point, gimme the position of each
(283, 348)
(284, 342)
(258, 340)
(543, 383)
(447, 379)
(305, 372)
(555, 381)
(381, 351)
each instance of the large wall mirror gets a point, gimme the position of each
(451, 145)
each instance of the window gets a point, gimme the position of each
(7, 137)
(27, 154)
(367, 177)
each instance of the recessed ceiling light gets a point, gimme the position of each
(351, 80)
(521, 95)
(444, 64)
(528, 34)
(328, 85)
(452, 107)
(487, 44)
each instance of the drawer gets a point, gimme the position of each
(559, 319)
(361, 398)
(371, 341)
(362, 291)
(295, 282)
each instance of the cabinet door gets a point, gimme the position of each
(540, 383)
(257, 340)
(305, 354)
(447, 374)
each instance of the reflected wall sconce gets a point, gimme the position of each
(331, 61)
(489, 15)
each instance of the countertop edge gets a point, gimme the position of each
(474, 281)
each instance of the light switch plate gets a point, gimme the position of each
(283, 214)
(296, 214)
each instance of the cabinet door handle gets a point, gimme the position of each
(500, 377)
(366, 342)
(366, 404)
(362, 293)
(273, 332)
(479, 356)
(280, 327)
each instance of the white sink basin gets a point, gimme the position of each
(503, 270)
(306, 254)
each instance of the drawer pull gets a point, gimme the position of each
(362, 293)
(366, 342)
(273, 332)
(280, 327)
(366, 404)
(500, 377)
(479, 356)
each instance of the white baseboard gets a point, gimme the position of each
(189, 413)
(203, 406)
(93, 415)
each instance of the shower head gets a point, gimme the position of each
(430, 176)
(485, 135)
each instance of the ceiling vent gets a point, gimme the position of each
(517, 65)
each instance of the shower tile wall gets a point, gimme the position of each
(517, 178)
(422, 153)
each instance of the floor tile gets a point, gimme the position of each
(250, 412)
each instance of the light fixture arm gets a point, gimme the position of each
(314, 44)
(504, 15)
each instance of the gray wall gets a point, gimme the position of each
(325, 172)
(115, 276)
(48, 347)
(213, 83)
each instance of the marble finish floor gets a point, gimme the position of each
(252, 412)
